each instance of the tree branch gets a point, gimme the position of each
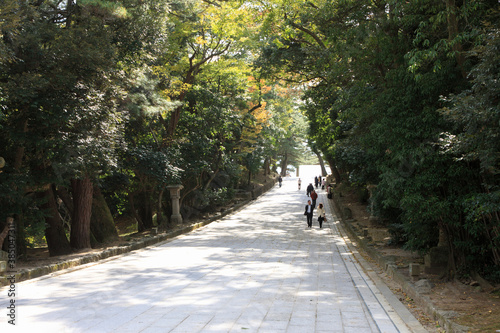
(307, 31)
(255, 108)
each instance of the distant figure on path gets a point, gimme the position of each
(299, 182)
(309, 213)
(280, 180)
(321, 215)
(314, 196)
(316, 182)
(323, 183)
(310, 188)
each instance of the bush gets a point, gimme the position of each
(219, 197)
(398, 234)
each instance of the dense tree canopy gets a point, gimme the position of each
(404, 96)
(104, 104)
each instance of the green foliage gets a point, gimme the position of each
(35, 231)
(114, 187)
(138, 95)
(398, 234)
(376, 75)
(475, 112)
(156, 165)
(12, 197)
(61, 88)
(218, 197)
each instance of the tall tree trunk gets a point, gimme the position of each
(5, 231)
(63, 193)
(102, 224)
(274, 166)
(145, 210)
(452, 9)
(18, 160)
(335, 171)
(266, 167)
(55, 235)
(175, 115)
(21, 247)
(82, 210)
(211, 179)
(322, 164)
(69, 9)
(284, 165)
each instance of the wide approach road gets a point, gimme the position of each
(258, 270)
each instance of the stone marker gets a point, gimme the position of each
(423, 286)
(436, 261)
(414, 269)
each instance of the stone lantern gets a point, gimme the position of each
(175, 194)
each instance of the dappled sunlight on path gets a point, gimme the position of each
(259, 269)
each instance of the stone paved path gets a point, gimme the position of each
(258, 270)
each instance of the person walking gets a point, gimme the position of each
(310, 188)
(314, 196)
(280, 180)
(309, 213)
(321, 215)
(316, 182)
(299, 182)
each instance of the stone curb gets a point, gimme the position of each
(406, 285)
(32, 273)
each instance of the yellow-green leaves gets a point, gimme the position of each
(112, 8)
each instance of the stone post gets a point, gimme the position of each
(371, 188)
(175, 194)
(414, 269)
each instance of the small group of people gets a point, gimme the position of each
(311, 205)
(312, 194)
(319, 181)
(309, 214)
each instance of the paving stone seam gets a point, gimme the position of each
(363, 294)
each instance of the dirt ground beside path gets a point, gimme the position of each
(464, 304)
